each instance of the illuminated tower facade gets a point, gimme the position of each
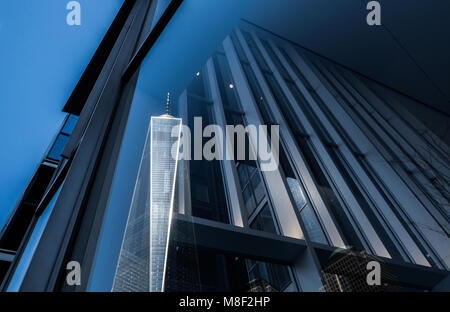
(163, 167)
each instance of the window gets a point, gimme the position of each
(200, 192)
(264, 221)
(258, 187)
(58, 147)
(258, 95)
(226, 83)
(341, 163)
(296, 192)
(249, 200)
(62, 138)
(256, 53)
(275, 59)
(272, 277)
(207, 188)
(252, 186)
(327, 193)
(309, 217)
(197, 85)
(70, 124)
(312, 225)
(238, 48)
(242, 172)
(311, 157)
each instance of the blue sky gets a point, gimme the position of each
(41, 60)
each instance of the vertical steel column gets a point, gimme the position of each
(292, 148)
(183, 179)
(72, 210)
(306, 266)
(360, 221)
(228, 166)
(278, 194)
(435, 242)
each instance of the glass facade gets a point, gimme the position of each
(327, 189)
(357, 177)
(341, 208)
(143, 256)
(320, 167)
(163, 168)
(208, 199)
(295, 83)
(62, 138)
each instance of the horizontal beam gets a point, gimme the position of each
(7, 255)
(238, 241)
(408, 274)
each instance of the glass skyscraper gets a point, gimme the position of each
(163, 167)
(143, 256)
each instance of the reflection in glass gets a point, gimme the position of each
(249, 200)
(264, 221)
(243, 178)
(296, 192)
(306, 212)
(162, 186)
(192, 268)
(143, 256)
(58, 147)
(258, 187)
(225, 80)
(197, 85)
(70, 124)
(207, 188)
(267, 276)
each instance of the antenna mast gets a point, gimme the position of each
(167, 103)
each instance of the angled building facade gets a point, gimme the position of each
(358, 172)
(132, 272)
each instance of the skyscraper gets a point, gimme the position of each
(143, 256)
(163, 167)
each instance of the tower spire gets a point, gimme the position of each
(167, 103)
(167, 114)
